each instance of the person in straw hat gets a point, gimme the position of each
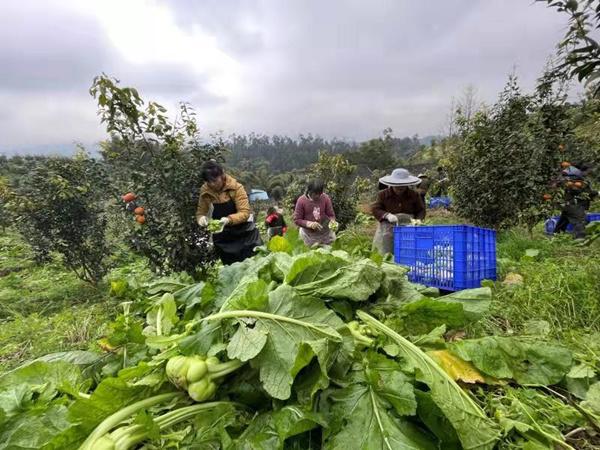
(398, 203)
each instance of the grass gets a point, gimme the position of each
(561, 286)
(46, 308)
(26, 287)
(34, 335)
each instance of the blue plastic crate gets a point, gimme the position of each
(450, 257)
(439, 202)
(551, 223)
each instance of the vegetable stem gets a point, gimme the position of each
(264, 315)
(113, 420)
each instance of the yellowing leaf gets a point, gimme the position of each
(458, 369)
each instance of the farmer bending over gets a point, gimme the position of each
(398, 203)
(314, 215)
(229, 203)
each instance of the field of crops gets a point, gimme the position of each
(299, 348)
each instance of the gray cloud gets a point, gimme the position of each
(345, 68)
(48, 50)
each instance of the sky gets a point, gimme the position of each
(337, 68)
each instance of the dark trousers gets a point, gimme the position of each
(574, 215)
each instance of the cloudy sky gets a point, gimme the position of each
(345, 68)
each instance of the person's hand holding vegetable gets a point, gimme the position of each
(314, 226)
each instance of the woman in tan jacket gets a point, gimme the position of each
(222, 195)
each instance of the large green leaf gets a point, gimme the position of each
(32, 405)
(368, 413)
(527, 361)
(44, 379)
(475, 302)
(394, 278)
(460, 410)
(285, 337)
(47, 427)
(270, 430)
(592, 399)
(334, 276)
(109, 396)
(422, 316)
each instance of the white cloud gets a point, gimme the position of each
(345, 68)
(145, 32)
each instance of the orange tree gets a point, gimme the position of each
(59, 207)
(158, 159)
(506, 157)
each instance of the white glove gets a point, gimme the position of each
(225, 221)
(203, 221)
(416, 222)
(314, 226)
(391, 218)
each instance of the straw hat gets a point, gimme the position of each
(400, 177)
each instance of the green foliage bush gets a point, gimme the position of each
(59, 207)
(507, 155)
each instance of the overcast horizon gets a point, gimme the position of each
(345, 69)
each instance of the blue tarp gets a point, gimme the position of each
(257, 194)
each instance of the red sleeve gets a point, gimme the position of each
(299, 219)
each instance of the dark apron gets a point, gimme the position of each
(236, 242)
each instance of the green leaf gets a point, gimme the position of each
(279, 244)
(436, 421)
(475, 302)
(394, 277)
(284, 338)
(249, 294)
(592, 399)
(77, 357)
(111, 395)
(48, 428)
(162, 316)
(45, 379)
(367, 413)
(270, 430)
(330, 276)
(579, 380)
(462, 412)
(422, 316)
(531, 254)
(527, 361)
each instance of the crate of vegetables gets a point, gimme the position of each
(449, 257)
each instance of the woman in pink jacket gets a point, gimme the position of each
(314, 215)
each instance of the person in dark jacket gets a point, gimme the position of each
(222, 195)
(275, 223)
(399, 199)
(577, 198)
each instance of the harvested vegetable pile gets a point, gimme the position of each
(299, 349)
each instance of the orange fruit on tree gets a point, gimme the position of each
(140, 219)
(547, 197)
(569, 184)
(565, 164)
(139, 211)
(129, 197)
(578, 184)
